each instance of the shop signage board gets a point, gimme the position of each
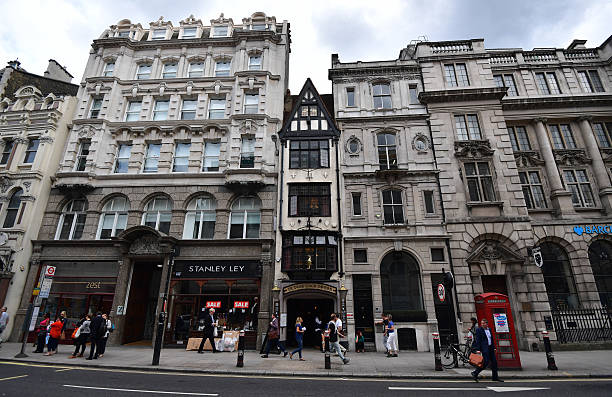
(241, 304)
(34, 318)
(310, 286)
(501, 322)
(50, 271)
(45, 288)
(213, 304)
(216, 269)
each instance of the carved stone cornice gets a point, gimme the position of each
(473, 148)
(528, 158)
(571, 157)
(462, 95)
(585, 117)
(5, 183)
(542, 120)
(608, 155)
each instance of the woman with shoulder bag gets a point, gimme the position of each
(80, 336)
(273, 337)
(55, 331)
(41, 335)
(108, 329)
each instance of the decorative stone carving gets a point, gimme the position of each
(529, 158)
(27, 185)
(145, 245)
(571, 157)
(608, 155)
(353, 145)
(5, 183)
(421, 142)
(473, 148)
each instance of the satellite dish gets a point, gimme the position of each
(3, 238)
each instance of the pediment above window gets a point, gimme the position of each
(473, 148)
(571, 157)
(528, 158)
(144, 61)
(191, 20)
(607, 152)
(493, 251)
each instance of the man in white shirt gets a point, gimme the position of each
(340, 331)
(484, 344)
(4, 320)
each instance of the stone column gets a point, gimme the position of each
(120, 299)
(599, 168)
(560, 198)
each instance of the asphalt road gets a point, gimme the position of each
(18, 379)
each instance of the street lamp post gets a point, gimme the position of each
(343, 293)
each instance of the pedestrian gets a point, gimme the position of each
(299, 338)
(384, 322)
(483, 344)
(319, 332)
(334, 336)
(55, 331)
(340, 332)
(108, 330)
(81, 336)
(41, 334)
(210, 326)
(472, 329)
(97, 329)
(359, 342)
(391, 337)
(4, 320)
(273, 338)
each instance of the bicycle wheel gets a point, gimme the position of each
(446, 356)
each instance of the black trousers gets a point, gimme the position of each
(94, 350)
(40, 342)
(102, 347)
(212, 342)
(80, 343)
(489, 358)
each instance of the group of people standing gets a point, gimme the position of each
(389, 335)
(93, 329)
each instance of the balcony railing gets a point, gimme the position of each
(447, 48)
(581, 55)
(540, 56)
(503, 59)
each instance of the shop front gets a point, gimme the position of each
(231, 287)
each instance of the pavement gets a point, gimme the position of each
(409, 365)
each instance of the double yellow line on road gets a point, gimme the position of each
(13, 377)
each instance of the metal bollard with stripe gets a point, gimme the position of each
(240, 360)
(438, 360)
(550, 358)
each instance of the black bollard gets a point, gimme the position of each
(549, 354)
(436, 340)
(158, 339)
(327, 357)
(240, 362)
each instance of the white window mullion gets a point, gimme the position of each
(244, 226)
(58, 232)
(100, 224)
(72, 227)
(114, 224)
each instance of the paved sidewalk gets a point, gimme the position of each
(596, 363)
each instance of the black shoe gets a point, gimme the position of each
(264, 356)
(346, 361)
(88, 358)
(199, 352)
(474, 376)
(497, 380)
(215, 351)
(285, 354)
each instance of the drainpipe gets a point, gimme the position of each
(446, 239)
(340, 256)
(282, 177)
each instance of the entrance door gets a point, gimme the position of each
(362, 297)
(142, 303)
(445, 311)
(494, 283)
(308, 309)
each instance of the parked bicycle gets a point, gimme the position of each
(453, 353)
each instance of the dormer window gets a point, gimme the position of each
(124, 33)
(144, 72)
(159, 34)
(189, 33)
(220, 31)
(255, 62)
(222, 68)
(109, 69)
(169, 71)
(259, 26)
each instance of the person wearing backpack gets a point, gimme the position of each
(80, 336)
(98, 329)
(334, 338)
(108, 329)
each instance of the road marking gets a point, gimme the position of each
(64, 369)
(500, 389)
(13, 377)
(143, 391)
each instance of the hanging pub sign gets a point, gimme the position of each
(241, 304)
(216, 269)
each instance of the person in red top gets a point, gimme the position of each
(42, 334)
(54, 334)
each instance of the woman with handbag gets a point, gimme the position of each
(273, 337)
(55, 331)
(41, 335)
(80, 336)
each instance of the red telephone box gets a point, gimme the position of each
(495, 308)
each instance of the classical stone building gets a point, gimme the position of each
(168, 182)
(34, 115)
(521, 145)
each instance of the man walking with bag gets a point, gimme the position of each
(334, 338)
(483, 343)
(210, 326)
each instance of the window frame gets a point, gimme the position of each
(503, 79)
(580, 186)
(467, 128)
(479, 178)
(31, 150)
(74, 221)
(321, 247)
(177, 145)
(205, 157)
(217, 27)
(543, 82)
(530, 189)
(223, 72)
(170, 74)
(563, 137)
(426, 193)
(255, 66)
(431, 254)
(303, 156)
(12, 213)
(605, 132)
(190, 28)
(129, 113)
(81, 158)
(158, 213)
(247, 158)
(393, 205)
(157, 34)
(245, 212)
(388, 148)
(7, 156)
(189, 111)
(148, 157)
(140, 75)
(452, 79)
(365, 251)
(95, 101)
(119, 159)
(519, 138)
(302, 197)
(356, 196)
(588, 83)
(382, 95)
(115, 214)
(220, 111)
(249, 106)
(161, 114)
(350, 97)
(199, 216)
(108, 71)
(197, 72)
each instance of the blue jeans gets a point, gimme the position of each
(336, 345)
(299, 348)
(274, 342)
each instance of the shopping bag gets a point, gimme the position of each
(476, 360)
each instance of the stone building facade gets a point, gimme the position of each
(520, 144)
(35, 112)
(168, 181)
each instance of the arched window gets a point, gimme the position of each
(245, 218)
(158, 214)
(72, 220)
(13, 208)
(600, 256)
(401, 287)
(114, 217)
(558, 277)
(200, 218)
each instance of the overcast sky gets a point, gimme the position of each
(36, 30)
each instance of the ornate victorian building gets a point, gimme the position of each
(513, 147)
(168, 182)
(34, 115)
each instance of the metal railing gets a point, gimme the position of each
(583, 325)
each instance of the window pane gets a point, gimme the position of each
(541, 82)
(509, 81)
(473, 189)
(513, 140)
(601, 135)
(552, 83)
(169, 71)
(429, 202)
(499, 81)
(161, 110)
(462, 133)
(487, 188)
(474, 128)
(568, 137)
(350, 97)
(523, 138)
(196, 69)
(556, 137)
(462, 77)
(211, 156)
(595, 81)
(449, 74)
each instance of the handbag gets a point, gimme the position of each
(476, 360)
(215, 332)
(76, 333)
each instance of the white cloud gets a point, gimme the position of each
(38, 30)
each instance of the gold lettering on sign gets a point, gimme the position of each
(310, 286)
(93, 284)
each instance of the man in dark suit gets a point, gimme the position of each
(484, 343)
(98, 329)
(209, 331)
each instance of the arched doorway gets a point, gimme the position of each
(600, 256)
(558, 277)
(401, 287)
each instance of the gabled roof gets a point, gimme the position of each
(309, 117)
